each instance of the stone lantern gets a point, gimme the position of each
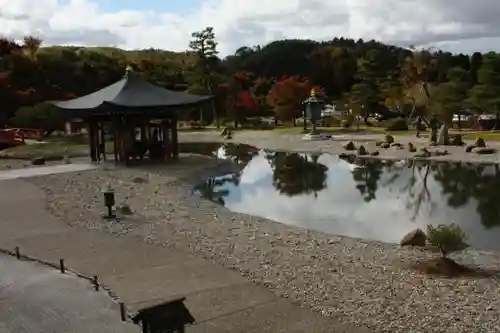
(312, 112)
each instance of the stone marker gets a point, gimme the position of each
(443, 137)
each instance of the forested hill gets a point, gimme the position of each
(261, 80)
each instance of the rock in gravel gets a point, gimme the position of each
(479, 142)
(362, 150)
(38, 161)
(469, 148)
(379, 143)
(375, 153)
(484, 150)
(350, 146)
(389, 139)
(441, 152)
(385, 145)
(139, 180)
(411, 147)
(423, 153)
(126, 210)
(414, 238)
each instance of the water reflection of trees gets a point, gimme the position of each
(459, 184)
(464, 182)
(367, 174)
(215, 188)
(295, 174)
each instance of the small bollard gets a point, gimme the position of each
(95, 282)
(18, 252)
(61, 266)
(122, 311)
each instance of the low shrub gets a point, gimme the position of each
(446, 238)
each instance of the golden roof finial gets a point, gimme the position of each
(313, 92)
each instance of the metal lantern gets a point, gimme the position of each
(109, 200)
(313, 108)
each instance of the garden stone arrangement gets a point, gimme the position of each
(360, 282)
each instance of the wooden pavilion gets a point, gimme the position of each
(139, 117)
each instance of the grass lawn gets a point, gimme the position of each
(341, 130)
(488, 136)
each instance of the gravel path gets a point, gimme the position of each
(357, 281)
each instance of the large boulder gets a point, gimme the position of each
(414, 238)
(443, 137)
(389, 139)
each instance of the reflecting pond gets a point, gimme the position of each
(370, 199)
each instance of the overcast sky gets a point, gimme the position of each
(455, 25)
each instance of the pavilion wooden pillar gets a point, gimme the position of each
(102, 140)
(167, 149)
(93, 141)
(175, 139)
(116, 140)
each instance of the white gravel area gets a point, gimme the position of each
(361, 282)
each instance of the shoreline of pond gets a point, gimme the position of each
(335, 146)
(357, 281)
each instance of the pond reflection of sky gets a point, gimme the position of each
(341, 208)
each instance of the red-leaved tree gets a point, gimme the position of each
(287, 95)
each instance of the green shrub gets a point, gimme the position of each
(396, 124)
(447, 238)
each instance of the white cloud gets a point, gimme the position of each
(457, 25)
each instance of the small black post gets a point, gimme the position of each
(61, 266)
(122, 311)
(95, 281)
(18, 252)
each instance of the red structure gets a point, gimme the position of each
(11, 137)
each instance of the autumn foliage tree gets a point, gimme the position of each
(286, 97)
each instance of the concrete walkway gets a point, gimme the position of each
(220, 299)
(44, 170)
(36, 298)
